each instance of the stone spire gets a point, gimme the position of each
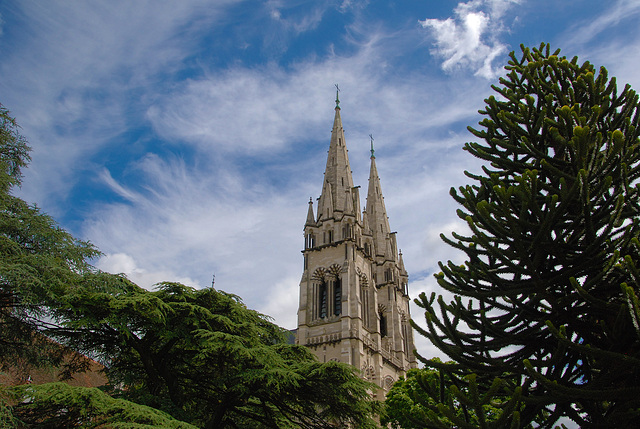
(310, 218)
(377, 213)
(403, 270)
(341, 318)
(337, 174)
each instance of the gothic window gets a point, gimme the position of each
(330, 233)
(337, 297)
(364, 296)
(388, 383)
(368, 372)
(321, 294)
(405, 334)
(322, 308)
(367, 249)
(310, 241)
(383, 325)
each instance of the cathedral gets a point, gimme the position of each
(354, 302)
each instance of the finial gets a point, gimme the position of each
(372, 151)
(213, 282)
(337, 98)
(310, 200)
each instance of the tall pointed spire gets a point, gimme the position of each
(376, 211)
(354, 305)
(403, 270)
(337, 174)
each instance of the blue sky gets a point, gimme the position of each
(186, 138)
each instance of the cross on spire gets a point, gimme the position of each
(372, 151)
(337, 98)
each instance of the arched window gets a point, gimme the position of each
(310, 241)
(405, 334)
(346, 231)
(322, 308)
(383, 325)
(364, 297)
(337, 297)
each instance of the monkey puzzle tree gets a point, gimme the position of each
(546, 301)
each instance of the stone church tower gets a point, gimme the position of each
(354, 303)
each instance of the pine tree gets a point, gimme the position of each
(546, 303)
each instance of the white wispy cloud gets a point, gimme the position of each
(297, 23)
(72, 76)
(257, 136)
(471, 39)
(615, 12)
(184, 222)
(193, 225)
(106, 178)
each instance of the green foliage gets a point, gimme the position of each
(58, 405)
(14, 152)
(39, 261)
(203, 357)
(423, 399)
(551, 276)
